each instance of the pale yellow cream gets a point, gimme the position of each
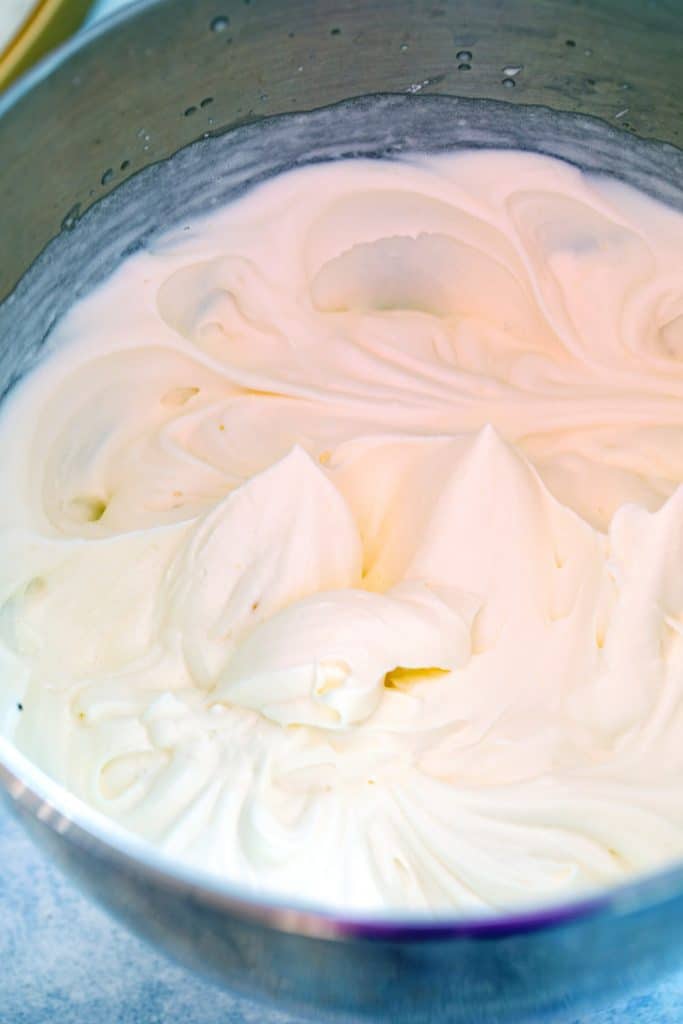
(342, 537)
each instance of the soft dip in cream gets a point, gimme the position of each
(342, 537)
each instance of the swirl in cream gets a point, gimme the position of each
(342, 536)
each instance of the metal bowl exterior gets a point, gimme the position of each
(93, 134)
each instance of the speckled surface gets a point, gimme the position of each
(62, 959)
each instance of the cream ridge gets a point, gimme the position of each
(341, 536)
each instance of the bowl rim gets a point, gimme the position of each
(29, 791)
(28, 788)
(43, 68)
(45, 21)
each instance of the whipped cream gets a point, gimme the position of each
(341, 537)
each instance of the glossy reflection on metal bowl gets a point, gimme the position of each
(122, 134)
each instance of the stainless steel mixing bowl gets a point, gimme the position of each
(85, 180)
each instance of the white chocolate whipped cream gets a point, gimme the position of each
(342, 537)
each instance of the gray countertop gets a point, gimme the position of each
(64, 960)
